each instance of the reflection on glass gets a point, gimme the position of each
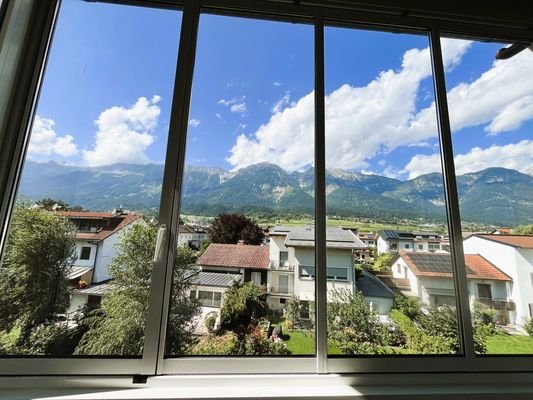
(247, 208)
(390, 279)
(491, 117)
(75, 272)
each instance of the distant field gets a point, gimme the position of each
(345, 223)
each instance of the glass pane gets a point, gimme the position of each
(75, 272)
(390, 282)
(491, 116)
(248, 188)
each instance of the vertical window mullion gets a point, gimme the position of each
(320, 202)
(159, 301)
(452, 200)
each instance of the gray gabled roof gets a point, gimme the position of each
(218, 279)
(300, 236)
(370, 286)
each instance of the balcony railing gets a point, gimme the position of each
(281, 266)
(497, 304)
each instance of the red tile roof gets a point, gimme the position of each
(118, 223)
(235, 255)
(521, 241)
(479, 267)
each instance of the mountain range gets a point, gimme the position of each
(493, 196)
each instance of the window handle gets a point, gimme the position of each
(161, 234)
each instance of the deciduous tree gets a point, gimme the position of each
(231, 228)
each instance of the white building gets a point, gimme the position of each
(430, 278)
(97, 234)
(513, 254)
(392, 241)
(292, 262)
(191, 236)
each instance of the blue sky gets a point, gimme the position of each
(107, 94)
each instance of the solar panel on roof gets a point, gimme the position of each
(434, 263)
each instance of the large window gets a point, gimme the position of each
(491, 118)
(221, 176)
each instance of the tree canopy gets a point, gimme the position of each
(523, 230)
(231, 228)
(51, 204)
(39, 254)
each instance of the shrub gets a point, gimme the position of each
(56, 339)
(528, 326)
(216, 345)
(408, 305)
(352, 325)
(244, 304)
(416, 340)
(210, 321)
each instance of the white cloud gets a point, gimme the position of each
(276, 83)
(235, 105)
(518, 156)
(194, 122)
(281, 103)
(361, 122)
(218, 115)
(500, 97)
(124, 134)
(238, 108)
(45, 141)
(512, 116)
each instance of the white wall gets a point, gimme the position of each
(517, 263)
(107, 249)
(76, 302)
(91, 260)
(380, 305)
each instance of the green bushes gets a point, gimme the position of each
(408, 305)
(353, 326)
(417, 341)
(528, 326)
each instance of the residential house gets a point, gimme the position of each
(513, 254)
(97, 234)
(378, 296)
(392, 241)
(220, 267)
(191, 236)
(292, 262)
(430, 278)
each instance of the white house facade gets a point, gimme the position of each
(97, 234)
(431, 280)
(513, 254)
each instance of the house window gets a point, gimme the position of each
(420, 247)
(256, 277)
(407, 246)
(209, 299)
(484, 291)
(307, 271)
(85, 253)
(338, 273)
(283, 257)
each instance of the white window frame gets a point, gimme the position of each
(30, 61)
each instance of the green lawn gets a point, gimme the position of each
(303, 343)
(507, 344)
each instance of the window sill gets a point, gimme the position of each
(397, 386)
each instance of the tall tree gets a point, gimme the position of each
(232, 228)
(51, 204)
(117, 328)
(33, 277)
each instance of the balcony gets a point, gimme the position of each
(281, 266)
(278, 290)
(497, 304)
